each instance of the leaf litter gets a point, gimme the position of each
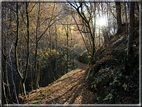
(70, 89)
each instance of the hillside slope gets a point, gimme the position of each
(115, 80)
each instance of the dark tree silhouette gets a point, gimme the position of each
(118, 12)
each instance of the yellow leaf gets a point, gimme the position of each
(94, 85)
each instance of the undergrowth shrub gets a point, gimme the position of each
(108, 84)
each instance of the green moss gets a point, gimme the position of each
(68, 73)
(44, 94)
(37, 98)
(35, 102)
(63, 76)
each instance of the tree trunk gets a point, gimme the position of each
(67, 49)
(16, 46)
(126, 18)
(93, 56)
(51, 66)
(5, 100)
(36, 72)
(4, 59)
(14, 85)
(131, 31)
(39, 68)
(56, 68)
(31, 74)
(5, 75)
(118, 12)
(130, 39)
(28, 51)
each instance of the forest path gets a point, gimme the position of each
(82, 65)
(69, 89)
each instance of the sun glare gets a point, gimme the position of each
(101, 21)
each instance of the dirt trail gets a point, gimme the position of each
(82, 65)
(67, 90)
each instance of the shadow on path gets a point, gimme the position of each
(68, 90)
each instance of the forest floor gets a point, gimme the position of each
(69, 89)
